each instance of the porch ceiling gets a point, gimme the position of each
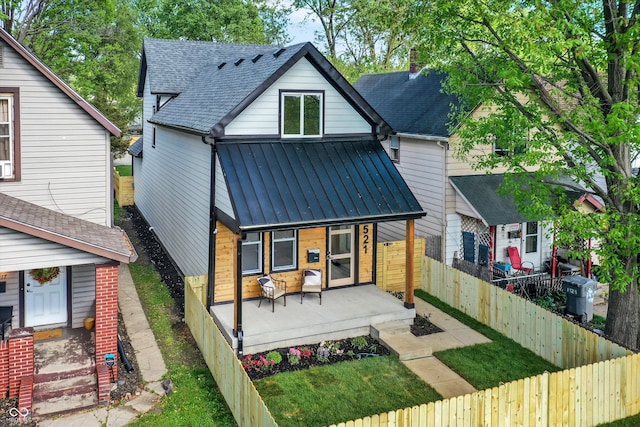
(344, 313)
(290, 184)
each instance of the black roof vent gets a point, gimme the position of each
(222, 64)
(256, 57)
(278, 52)
(238, 62)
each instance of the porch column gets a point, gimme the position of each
(107, 313)
(408, 291)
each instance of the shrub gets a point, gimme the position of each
(274, 356)
(359, 342)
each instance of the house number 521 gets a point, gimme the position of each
(365, 239)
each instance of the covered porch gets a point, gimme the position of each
(344, 313)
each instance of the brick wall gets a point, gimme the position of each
(107, 314)
(21, 358)
(25, 395)
(4, 369)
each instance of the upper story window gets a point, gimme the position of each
(301, 114)
(394, 148)
(252, 254)
(283, 250)
(514, 145)
(9, 133)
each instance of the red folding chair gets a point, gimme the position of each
(516, 261)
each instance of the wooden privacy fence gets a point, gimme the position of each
(123, 188)
(235, 385)
(391, 264)
(561, 342)
(594, 388)
(577, 397)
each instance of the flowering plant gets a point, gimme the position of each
(294, 356)
(260, 364)
(45, 275)
(327, 349)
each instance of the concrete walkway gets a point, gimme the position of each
(417, 352)
(150, 363)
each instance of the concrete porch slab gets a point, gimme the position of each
(344, 313)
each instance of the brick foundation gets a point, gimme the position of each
(107, 314)
(25, 395)
(21, 358)
(4, 369)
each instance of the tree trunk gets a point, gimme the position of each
(623, 316)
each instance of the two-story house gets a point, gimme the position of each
(59, 250)
(466, 217)
(262, 159)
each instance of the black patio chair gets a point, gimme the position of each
(6, 314)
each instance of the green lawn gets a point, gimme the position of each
(196, 400)
(124, 170)
(343, 391)
(488, 365)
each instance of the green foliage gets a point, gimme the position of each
(124, 170)
(556, 83)
(552, 300)
(359, 342)
(343, 391)
(274, 356)
(222, 21)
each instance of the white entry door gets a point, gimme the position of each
(532, 244)
(45, 304)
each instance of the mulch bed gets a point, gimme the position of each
(259, 366)
(423, 326)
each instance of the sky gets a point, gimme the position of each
(300, 30)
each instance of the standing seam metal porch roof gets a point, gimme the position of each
(286, 184)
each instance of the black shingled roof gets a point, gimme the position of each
(209, 95)
(135, 149)
(416, 106)
(294, 184)
(481, 192)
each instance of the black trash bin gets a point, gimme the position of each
(580, 293)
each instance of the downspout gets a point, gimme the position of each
(211, 264)
(238, 297)
(443, 241)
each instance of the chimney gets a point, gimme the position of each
(413, 57)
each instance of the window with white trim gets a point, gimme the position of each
(9, 132)
(301, 114)
(252, 254)
(284, 246)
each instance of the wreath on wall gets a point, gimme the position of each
(45, 275)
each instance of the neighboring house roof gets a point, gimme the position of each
(286, 184)
(416, 105)
(57, 81)
(220, 86)
(481, 193)
(135, 149)
(34, 220)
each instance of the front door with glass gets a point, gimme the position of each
(341, 256)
